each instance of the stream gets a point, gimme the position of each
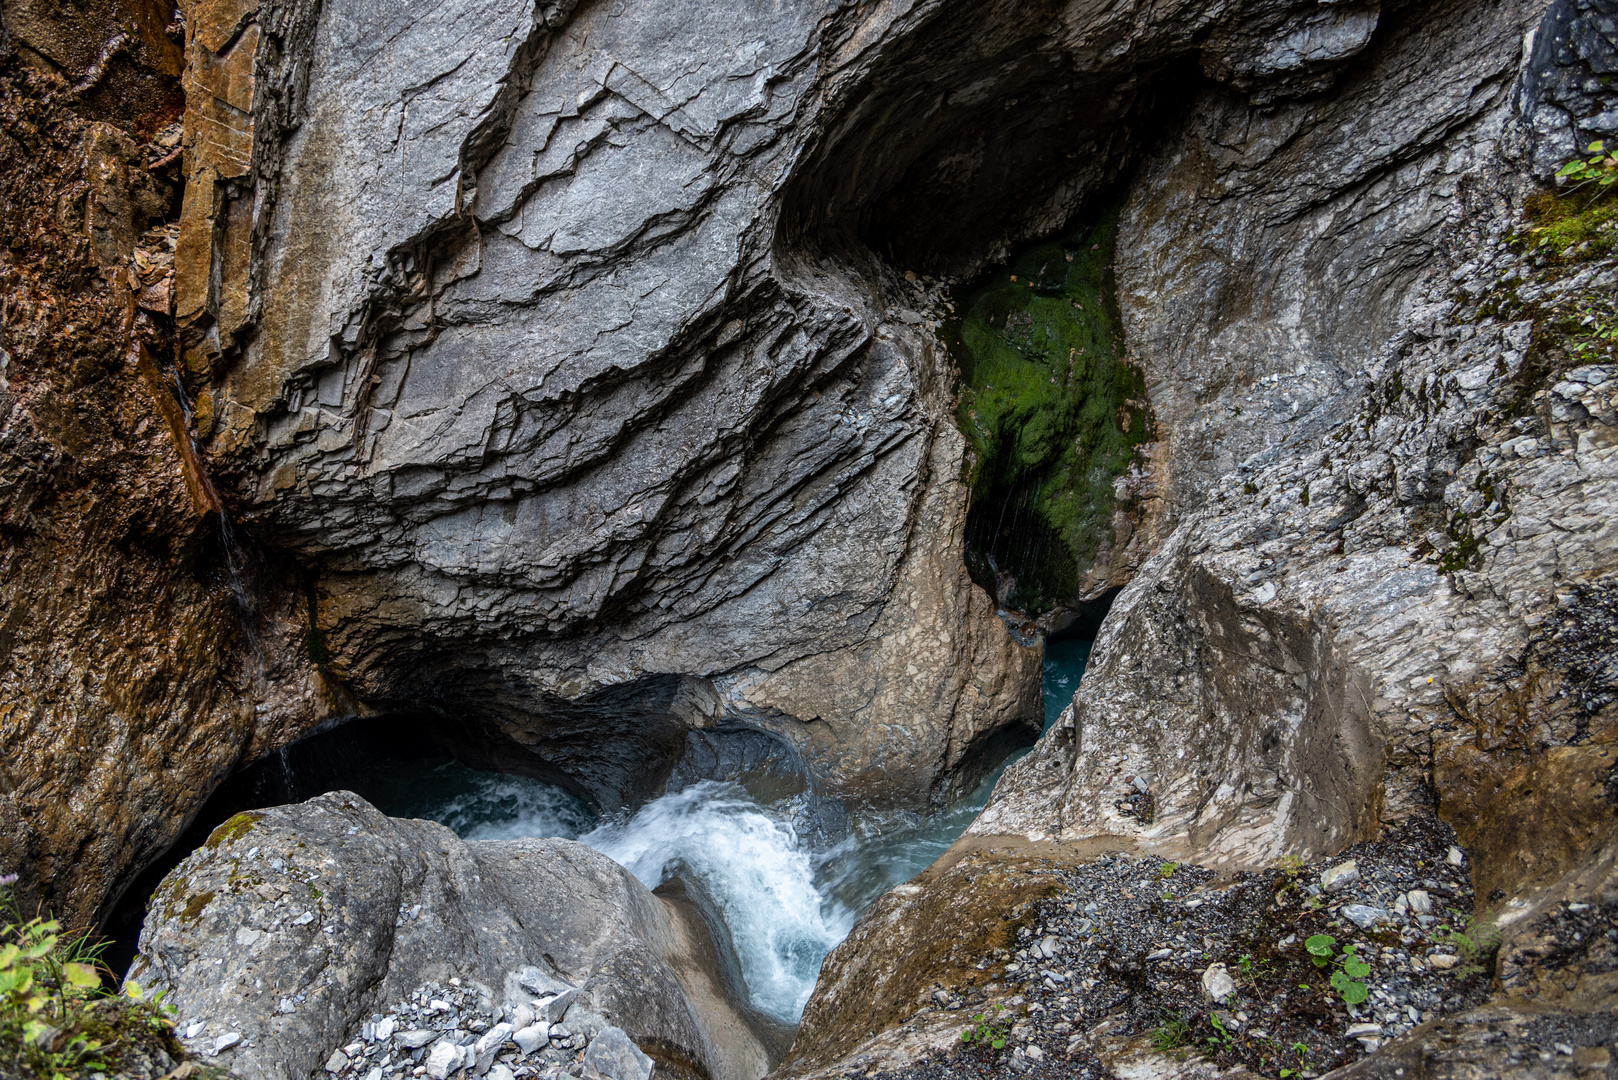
(785, 901)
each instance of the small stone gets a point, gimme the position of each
(1421, 901)
(501, 1071)
(374, 1074)
(554, 1008)
(337, 1062)
(444, 1058)
(1050, 946)
(532, 1037)
(1364, 916)
(415, 1040)
(1360, 1031)
(1034, 1052)
(1443, 961)
(305, 919)
(612, 1056)
(1340, 877)
(1592, 1059)
(1217, 982)
(439, 1005)
(226, 1041)
(1455, 857)
(1141, 785)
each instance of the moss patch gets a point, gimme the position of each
(233, 829)
(1052, 411)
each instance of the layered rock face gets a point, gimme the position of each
(1386, 479)
(500, 340)
(291, 933)
(555, 337)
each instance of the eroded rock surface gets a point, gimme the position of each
(280, 938)
(555, 336)
(1386, 472)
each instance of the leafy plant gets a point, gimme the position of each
(1302, 1051)
(1350, 967)
(1475, 948)
(1167, 869)
(1600, 169)
(56, 1020)
(1222, 1039)
(1170, 1034)
(986, 1031)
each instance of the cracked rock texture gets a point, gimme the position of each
(1387, 473)
(557, 337)
(291, 927)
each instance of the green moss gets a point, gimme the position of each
(233, 829)
(194, 906)
(1052, 411)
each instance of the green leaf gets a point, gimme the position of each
(1357, 968)
(1321, 945)
(1355, 993)
(82, 975)
(1597, 147)
(999, 1043)
(1569, 169)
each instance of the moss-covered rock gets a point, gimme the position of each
(1051, 408)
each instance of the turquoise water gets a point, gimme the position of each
(786, 903)
(1064, 664)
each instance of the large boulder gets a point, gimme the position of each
(280, 939)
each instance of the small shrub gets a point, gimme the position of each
(984, 1031)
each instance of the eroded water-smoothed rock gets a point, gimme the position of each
(1388, 475)
(279, 939)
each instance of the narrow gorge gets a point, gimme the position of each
(840, 538)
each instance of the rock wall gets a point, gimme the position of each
(1386, 477)
(126, 691)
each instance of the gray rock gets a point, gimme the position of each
(532, 1037)
(1339, 877)
(1421, 901)
(490, 910)
(337, 1062)
(554, 1008)
(444, 1058)
(613, 1056)
(1364, 916)
(1217, 983)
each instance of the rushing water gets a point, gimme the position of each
(785, 903)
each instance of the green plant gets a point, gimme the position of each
(1600, 169)
(987, 1031)
(1167, 869)
(1302, 1051)
(1350, 967)
(56, 1020)
(1170, 1034)
(1050, 407)
(1475, 948)
(1222, 1039)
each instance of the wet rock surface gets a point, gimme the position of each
(296, 927)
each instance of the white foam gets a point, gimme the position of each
(755, 869)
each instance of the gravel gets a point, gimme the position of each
(1147, 946)
(446, 1031)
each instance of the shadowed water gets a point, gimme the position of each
(785, 903)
